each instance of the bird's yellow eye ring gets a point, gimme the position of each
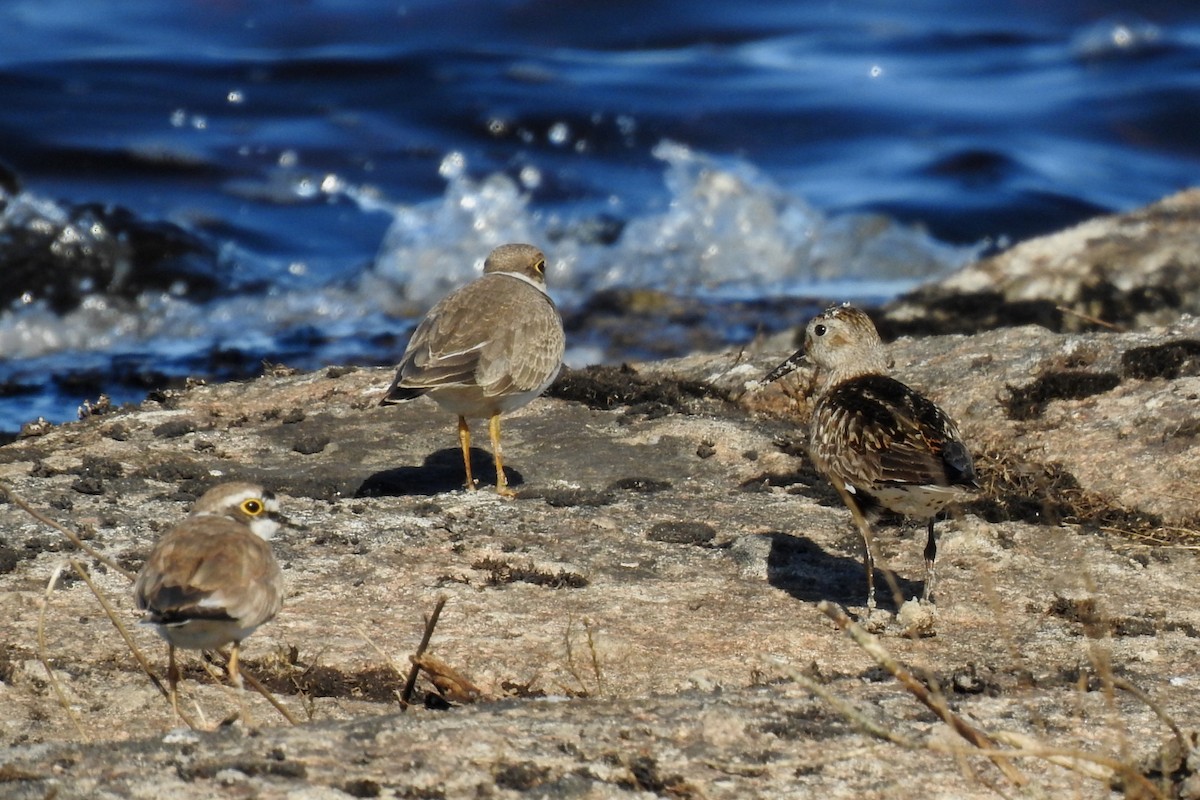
(539, 266)
(253, 506)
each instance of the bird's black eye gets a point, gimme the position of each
(539, 266)
(819, 330)
(253, 507)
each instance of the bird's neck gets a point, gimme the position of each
(872, 364)
(540, 287)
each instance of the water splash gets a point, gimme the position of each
(725, 230)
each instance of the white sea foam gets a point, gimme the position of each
(723, 230)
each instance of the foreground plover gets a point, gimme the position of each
(487, 348)
(212, 580)
(881, 443)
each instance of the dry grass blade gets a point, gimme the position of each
(41, 640)
(71, 536)
(593, 655)
(868, 535)
(853, 714)
(430, 624)
(112, 617)
(1159, 711)
(392, 665)
(257, 686)
(1093, 320)
(133, 648)
(1100, 768)
(934, 703)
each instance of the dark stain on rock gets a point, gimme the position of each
(88, 484)
(502, 572)
(378, 684)
(175, 470)
(175, 428)
(206, 770)
(362, 787)
(646, 485)
(806, 724)
(1095, 623)
(308, 444)
(100, 467)
(520, 777)
(1017, 490)
(9, 558)
(607, 387)
(1029, 402)
(1171, 360)
(955, 313)
(700, 534)
(567, 497)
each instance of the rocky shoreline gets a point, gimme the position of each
(642, 620)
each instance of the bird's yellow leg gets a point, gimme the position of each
(173, 679)
(464, 439)
(235, 677)
(501, 481)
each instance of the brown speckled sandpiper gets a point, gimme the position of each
(212, 579)
(879, 442)
(488, 348)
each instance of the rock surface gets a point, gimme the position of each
(641, 620)
(1131, 270)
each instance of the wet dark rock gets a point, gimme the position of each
(61, 262)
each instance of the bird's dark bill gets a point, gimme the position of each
(793, 361)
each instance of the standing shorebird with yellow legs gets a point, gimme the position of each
(880, 443)
(212, 579)
(486, 349)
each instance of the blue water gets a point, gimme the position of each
(344, 163)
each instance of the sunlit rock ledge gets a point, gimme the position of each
(637, 618)
(1126, 270)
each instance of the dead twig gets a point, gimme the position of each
(1097, 767)
(430, 624)
(593, 655)
(121, 629)
(41, 640)
(868, 535)
(387, 659)
(257, 686)
(71, 536)
(1159, 711)
(856, 716)
(934, 702)
(1089, 318)
(450, 683)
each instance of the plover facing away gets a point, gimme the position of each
(487, 348)
(879, 442)
(212, 579)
